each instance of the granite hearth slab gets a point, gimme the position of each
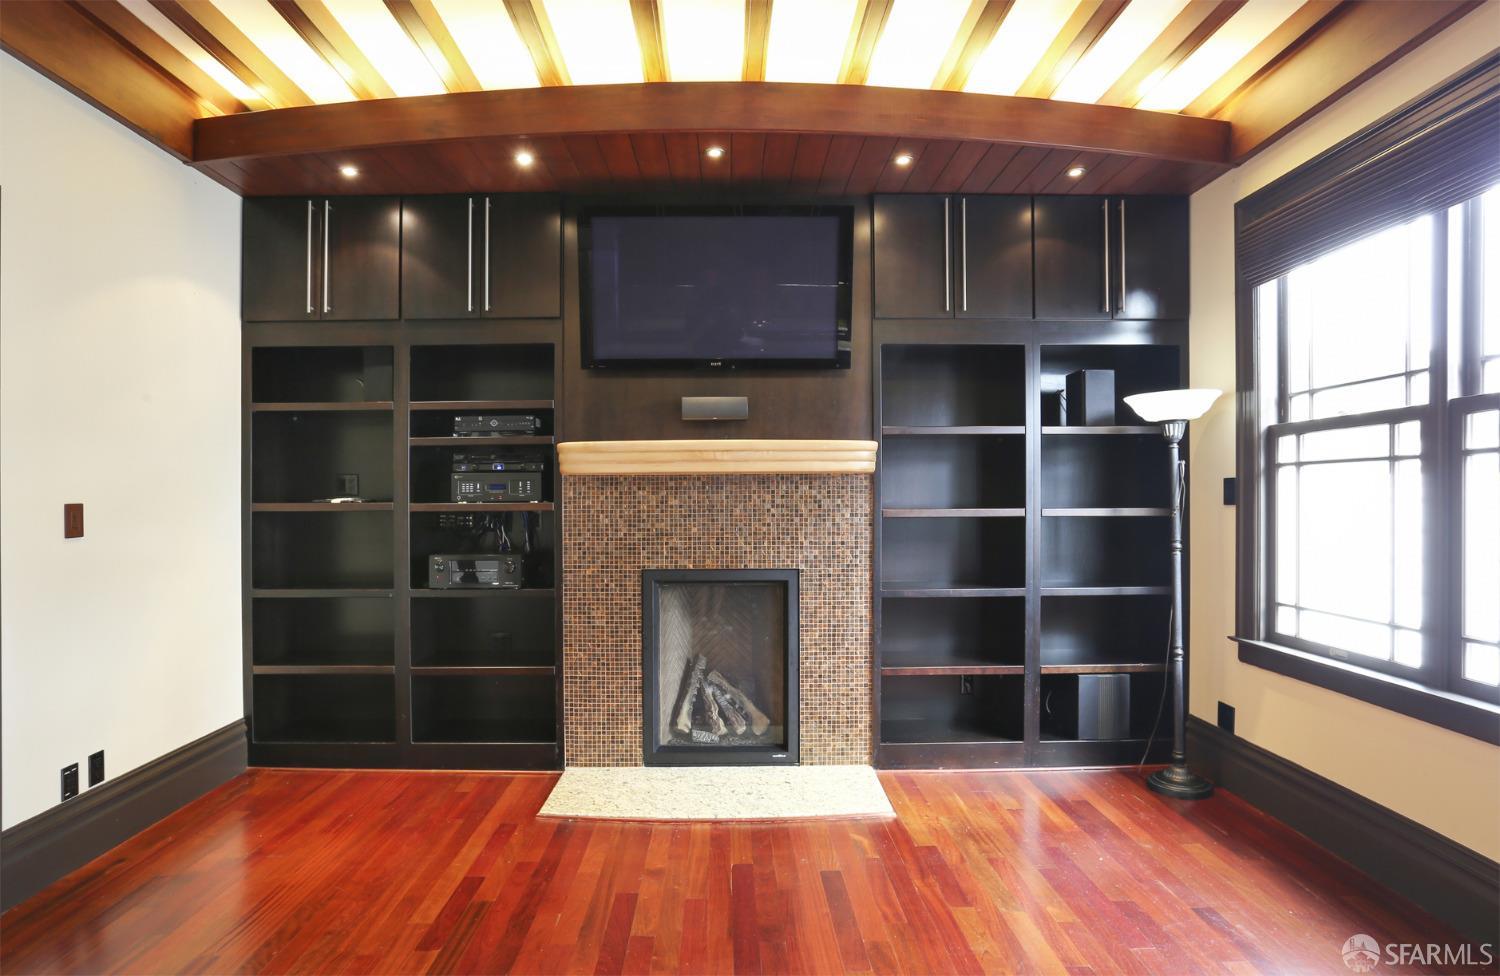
(717, 793)
(725, 456)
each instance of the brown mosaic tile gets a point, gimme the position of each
(617, 525)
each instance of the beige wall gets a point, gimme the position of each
(119, 388)
(1446, 781)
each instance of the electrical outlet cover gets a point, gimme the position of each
(96, 768)
(70, 781)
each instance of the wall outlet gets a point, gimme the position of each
(1226, 717)
(96, 768)
(73, 520)
(966, 684)
(1231, 491)
(70, 781)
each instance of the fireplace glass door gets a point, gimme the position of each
(719, 666)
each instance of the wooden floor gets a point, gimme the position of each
(1078, 872)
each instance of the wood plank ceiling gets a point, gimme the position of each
(860, 96)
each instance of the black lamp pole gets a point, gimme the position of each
(1177, 780)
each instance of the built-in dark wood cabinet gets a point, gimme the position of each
(321, 258)
(1111, 257)
(940, 256)
(479, 256)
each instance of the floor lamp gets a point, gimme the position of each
(1173, 409)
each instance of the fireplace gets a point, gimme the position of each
(719, 666)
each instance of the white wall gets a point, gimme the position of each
(1446, 781)
(119, 388)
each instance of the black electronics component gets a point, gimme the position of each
(1097, 706)
(493, 486)
(489, 461)
(1089, 398)
(475, 571)
(490, 425)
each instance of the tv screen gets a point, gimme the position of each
(741, 289)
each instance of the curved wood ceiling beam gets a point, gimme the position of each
(717, 106)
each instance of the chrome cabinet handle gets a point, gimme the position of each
(469, 299)
(1104, 207)
(309, 256)
(1122, 254)
(486, 254)
(327, 230)
(947, 256)
(963, 252)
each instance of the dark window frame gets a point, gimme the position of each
(1274, 233)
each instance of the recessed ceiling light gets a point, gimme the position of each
(902, 159)
(349, 171)
(1077, 171)
(714, 152)
(524, 158)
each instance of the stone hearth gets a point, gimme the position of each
(724, 505)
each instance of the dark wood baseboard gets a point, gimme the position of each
(1456, 884)
(37, 852)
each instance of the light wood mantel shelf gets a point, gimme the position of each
(717, 457)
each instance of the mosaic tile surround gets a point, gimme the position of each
(618, 525)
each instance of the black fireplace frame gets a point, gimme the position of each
(655, 753)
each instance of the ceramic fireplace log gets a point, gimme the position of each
(758, 720)
(684, 718)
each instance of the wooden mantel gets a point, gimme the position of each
(717, 457)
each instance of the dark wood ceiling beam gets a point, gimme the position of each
(1193, 25)
(757, 36)
(703, 106)
(225, 43)
(864, 33)
(148, 44)
(535, 31)
(67, 45)
(652, 38)
(424, 25)
(316, 25)
(1303, 21)
(975, 32)
(1081, 32)
(1360, 40)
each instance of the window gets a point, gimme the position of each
(1379, 378)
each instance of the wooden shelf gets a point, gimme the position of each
(327, 669)
(484, 670)
(1133, 668)
(321, 506)
(466, 405)
(1106, 591)
(538, 591)
(963, 431)
(482, 507)
(1133, 430)
(1106, 512)
(519, 440)
(898, 666)
(370, 406)
(319, 593)
(953, 512)
(913, 589)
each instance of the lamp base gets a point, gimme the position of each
(1180, 783)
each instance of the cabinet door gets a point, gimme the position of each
(1072, 270)
(522, 261)
(994, 257)
(361, 274)
(279, 256)
(1153, 257)
(913, 242)
(439, 269)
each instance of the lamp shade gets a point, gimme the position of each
(1166, 405)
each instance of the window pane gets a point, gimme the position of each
(1355, 310)
(1409, 438)
(1481, 541)
(1348, 442)
(1286, 621)
(1286, 449)
(1286, 536)
(1356, 636)
(1482, 663)
(1409, 648)
(1341, 401)
(1344, 547)
(1489, 275)
(1408, 532)
(1482, 429)
(1490, 383)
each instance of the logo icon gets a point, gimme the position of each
(1361, 954)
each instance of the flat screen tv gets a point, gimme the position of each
(744, 288)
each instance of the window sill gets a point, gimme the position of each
(1466, 716)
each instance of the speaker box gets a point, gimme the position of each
(1089, 706)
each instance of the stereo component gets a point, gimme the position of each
(486, 486)
(490, 461)
(491, 425)
(1088, 398)
(469, 571)
(1097, 706)
(716, 408)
